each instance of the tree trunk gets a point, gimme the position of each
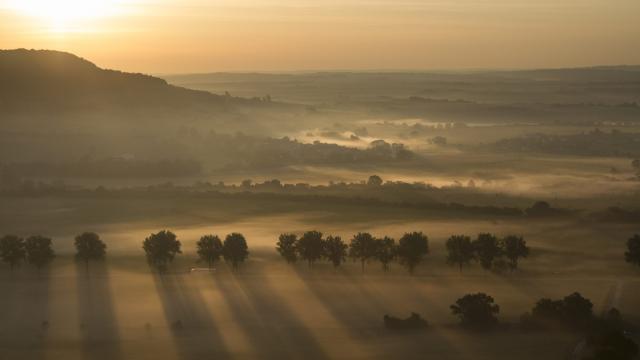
(362, 266)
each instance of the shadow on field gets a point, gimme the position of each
(24, 319)
(195, 333)
(338, 296)
(98, 323)
(274, 330)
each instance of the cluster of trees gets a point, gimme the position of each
(491, 252)
(162, 247)
(35, 250)
(606, 337)
(38, 251)
(311, 247)
(573, 311)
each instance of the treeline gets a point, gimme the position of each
(244, 151)
(498, 255)
(592, 143)
(492, 253)
(160, 249)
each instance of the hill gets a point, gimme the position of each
(44, 87)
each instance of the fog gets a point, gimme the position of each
(547, 155)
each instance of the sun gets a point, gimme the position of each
(65, 14)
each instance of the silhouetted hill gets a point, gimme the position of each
(43, 84)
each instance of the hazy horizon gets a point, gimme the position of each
(170, 37)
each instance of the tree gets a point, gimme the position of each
(363, 248)
(547, 312)
(335, 250)
(374, 180)
(514, 248)
(460, 250)
(286, 246)
(311, 247)
(89, 247)
(161, 248)
(12, 250)
(209, 249)
(577, 310)
(235, 249)
(476, 310)
(573, 311)
(632, 255)
(412, 248)
(39, 251)
(386, 251)
(486, 248)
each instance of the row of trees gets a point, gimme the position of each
(35, 250)
(492, 253)
(311, 247)
(162, 247)
(38, 251)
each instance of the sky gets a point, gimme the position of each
(187, 36)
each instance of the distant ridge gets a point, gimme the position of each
(37, 84)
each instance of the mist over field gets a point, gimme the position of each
(318, 214)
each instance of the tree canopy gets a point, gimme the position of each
(573, 311)
(39, 251)
(374, 180)
(362, 248)
(12, 250)
(335, 250)
(161, 248)
(286, 247)
(89, 247)
(476, 310)
(460, 250)
(487, 249)
(412, 248)
(386, 251)
(311, 247)
(235, 249)
(514, 248)
(209, 249)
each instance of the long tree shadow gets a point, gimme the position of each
(351, 300)
(195, 333)
(337, 300)
(25, 314)
(96, 314)
(273, 328)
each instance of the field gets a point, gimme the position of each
(268, 309)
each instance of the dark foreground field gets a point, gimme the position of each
(268, 309)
